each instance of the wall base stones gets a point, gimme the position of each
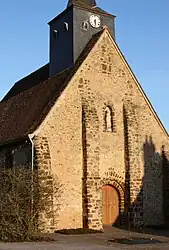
(92, 213)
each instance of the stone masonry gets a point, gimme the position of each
(84, 156)
(42, 164)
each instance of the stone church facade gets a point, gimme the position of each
(93, 127)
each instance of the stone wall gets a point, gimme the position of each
(42, 162)
(86, 157)
(106, 80)
(165, 174)
(63, 132)
(134, 182)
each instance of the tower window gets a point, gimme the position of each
(66, 26)
(85, 26)
(55, 33)
(108, 119)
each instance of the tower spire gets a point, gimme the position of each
(91, 3)
(71, 31)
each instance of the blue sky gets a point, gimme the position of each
(141, 32)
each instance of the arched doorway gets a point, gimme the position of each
(110, 205)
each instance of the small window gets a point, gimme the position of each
(66, 26)
(55, 33)
(85, 26)
(108, 119)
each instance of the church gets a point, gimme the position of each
(84, 118)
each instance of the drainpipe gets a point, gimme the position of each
(32, 167)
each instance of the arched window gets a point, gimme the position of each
(108, 119)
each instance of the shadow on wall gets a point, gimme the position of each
(151, 205)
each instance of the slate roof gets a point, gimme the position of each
(96, 10)
(28, 102)
(89, 6)
(86, 2)
(83, 6)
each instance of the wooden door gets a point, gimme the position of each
(110, 205)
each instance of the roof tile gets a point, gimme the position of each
(28, 102)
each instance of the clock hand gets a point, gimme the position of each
(95, 21)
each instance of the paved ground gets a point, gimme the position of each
(53, 246)
(94, 241)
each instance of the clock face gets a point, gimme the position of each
(95, 21)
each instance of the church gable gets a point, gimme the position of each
(103, 76)
(87, 128)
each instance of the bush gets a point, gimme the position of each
(24, 197)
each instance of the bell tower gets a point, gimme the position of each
(72, 29)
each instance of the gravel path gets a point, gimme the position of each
(65, 246)
(52, 246)
(93, 241)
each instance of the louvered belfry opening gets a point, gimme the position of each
(90, 3)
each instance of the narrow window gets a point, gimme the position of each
(66, 25)
(85, 25)
(55, 33)
(108, 119)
